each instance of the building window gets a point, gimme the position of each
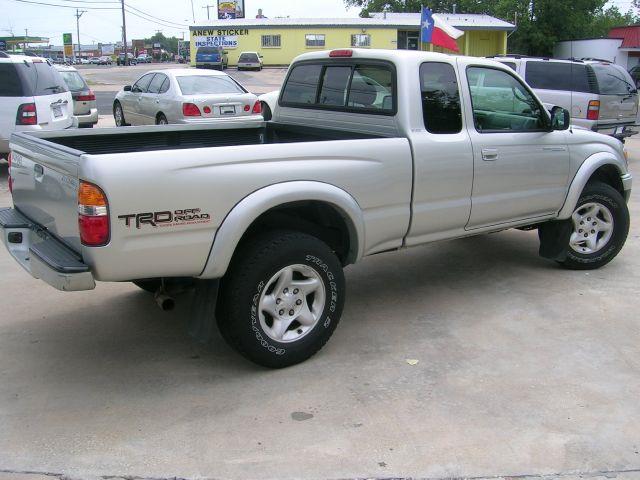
(361, 40)
(314, 40)
(271, 41)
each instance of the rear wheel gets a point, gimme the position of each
(600, 227)
(118, 115)
(281, 299)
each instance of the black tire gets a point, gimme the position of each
(251, 274)
(122, 122)
(266, 111)
(607, 196)
(151, 285)
(161, 119)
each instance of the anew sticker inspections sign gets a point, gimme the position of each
(222, 41)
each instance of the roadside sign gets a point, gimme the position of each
(3, 45)
(67, 39)
(68, 50)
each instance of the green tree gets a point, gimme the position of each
(170, 44)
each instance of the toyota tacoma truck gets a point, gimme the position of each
(368, 151)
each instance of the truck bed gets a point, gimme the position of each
(146, 139)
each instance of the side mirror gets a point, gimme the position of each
(560, 118)
(127, 88)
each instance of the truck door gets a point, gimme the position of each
(443, 158)
(521, 167)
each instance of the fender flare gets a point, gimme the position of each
(582, 176)
(245, 212)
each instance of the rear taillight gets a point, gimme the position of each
(257, 108)
(93, 215)
(247, 108)
(190, 110)
(593, 111)
(89, 97)
(9, 179)
(27, 114)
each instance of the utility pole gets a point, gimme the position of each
(26, 35)
(207, 7)
(124, 36)
(193, 14)
(78, 15)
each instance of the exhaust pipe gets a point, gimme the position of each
(164, 301)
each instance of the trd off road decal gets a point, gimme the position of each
(167, 218)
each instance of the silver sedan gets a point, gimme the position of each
(184, 96)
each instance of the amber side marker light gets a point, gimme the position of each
(93, 215)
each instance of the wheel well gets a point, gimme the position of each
(610, 175)
(158, 115)
(316, 218)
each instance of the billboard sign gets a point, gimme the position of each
(108, 49)
(219, 41)
(67, 39)
(230, 9)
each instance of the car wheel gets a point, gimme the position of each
(600, 224)
(161, 119)
(281, 299)
(118, 115)
(266, 111)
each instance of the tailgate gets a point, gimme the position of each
(45, 185)
(622, 108)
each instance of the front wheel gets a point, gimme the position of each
(162, 119)
(600, 224)
(281, 299)
(118, 115)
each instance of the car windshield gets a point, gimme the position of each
(208, 84)
(74, 81)
(41, 78)
(248, 57)
(613, 80)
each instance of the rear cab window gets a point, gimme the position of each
(613, 80)
(248, 57)
(74, 81)
(358, 86)
(440, 98)
(29, 79)
(208, 84)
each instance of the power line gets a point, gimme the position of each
(64, 6)
(176, 26)
(154, 17)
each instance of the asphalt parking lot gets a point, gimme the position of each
(523, 370)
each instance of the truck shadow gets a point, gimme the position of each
(112, 330)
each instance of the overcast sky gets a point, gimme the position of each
(104, 25)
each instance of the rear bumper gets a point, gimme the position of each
(42, 255)
(200, 120)
(90, 118)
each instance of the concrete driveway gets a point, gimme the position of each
(524, 369)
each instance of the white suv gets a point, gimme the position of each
(600, 95)
(33, 96)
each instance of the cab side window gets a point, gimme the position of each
(501, 103)
(440, 98)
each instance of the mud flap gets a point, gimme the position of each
(203, 312)
(554, 239)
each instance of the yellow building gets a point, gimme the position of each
(280, 40)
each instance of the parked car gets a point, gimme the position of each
(277, 210)
(104, 60)
(131, 59)
(84, 61)
(250, 60)
(33, 96)
(94, 60)
(600, 96)
(211, 57)
(85, 108)
(144, 58)
(184, 96)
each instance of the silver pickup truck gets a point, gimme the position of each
(368, 151)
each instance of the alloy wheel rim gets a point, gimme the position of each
(118, 116)
(291, 303)
(592, 228)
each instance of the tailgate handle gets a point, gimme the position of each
(38, 169)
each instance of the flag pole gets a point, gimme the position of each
(420, 30)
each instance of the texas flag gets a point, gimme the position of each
(435, 30)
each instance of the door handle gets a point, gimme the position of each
(489, 154)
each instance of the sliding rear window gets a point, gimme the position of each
(349, 87)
